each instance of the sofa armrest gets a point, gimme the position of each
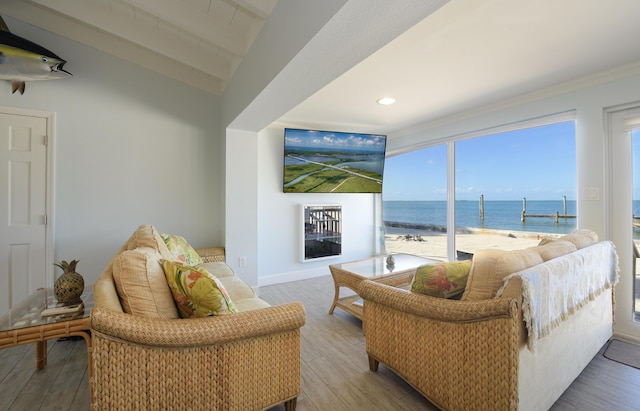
(197, 331)
(244, 361)
(439, 309)
(461, 355)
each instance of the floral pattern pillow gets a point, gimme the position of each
(181, 250)
(445, 280)
(197, 292)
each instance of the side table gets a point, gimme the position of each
(351, 274)
(23, 324)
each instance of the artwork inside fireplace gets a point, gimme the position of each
(322, 231)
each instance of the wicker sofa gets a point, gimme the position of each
(492, 353)
(141, 359)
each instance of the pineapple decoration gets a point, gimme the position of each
(70, 285)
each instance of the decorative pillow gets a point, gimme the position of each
(546, 240)
(181, 250)
(141, 284)
(445, 280)
(554, 249)
(489, 267)
(197, 292)
(147, 236)
(581, 238)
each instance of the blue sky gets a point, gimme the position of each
(537, 163)
(332, 139)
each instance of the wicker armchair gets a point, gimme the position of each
(245, 361)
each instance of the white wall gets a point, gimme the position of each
(131, 147)
(241, 203)
(280, 228)
(263, 223)
(281, 70)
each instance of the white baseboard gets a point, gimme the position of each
(292, 276)
(626, 337)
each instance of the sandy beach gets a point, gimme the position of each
(433, 244)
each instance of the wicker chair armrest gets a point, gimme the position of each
(439, 309)
(197, 331)
(211, 254)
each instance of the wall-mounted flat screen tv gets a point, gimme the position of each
(333, 162)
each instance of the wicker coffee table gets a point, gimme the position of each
(351, 274)
(23, 324)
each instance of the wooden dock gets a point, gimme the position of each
(557, 216)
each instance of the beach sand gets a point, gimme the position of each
(433, 244)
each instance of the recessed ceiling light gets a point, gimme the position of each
(386, 101)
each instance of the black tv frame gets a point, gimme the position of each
(332, 161)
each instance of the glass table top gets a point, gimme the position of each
(27, 313)
(377, 266)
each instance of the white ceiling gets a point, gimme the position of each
(199, 42)
(471, 53)
(467, 54)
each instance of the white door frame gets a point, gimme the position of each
(50, 180)
(619, 210)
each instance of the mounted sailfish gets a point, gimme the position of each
(22, 60)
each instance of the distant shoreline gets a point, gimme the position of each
(400, 228)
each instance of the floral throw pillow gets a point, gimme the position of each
(445, 280)
(197, 292)
(181, 250)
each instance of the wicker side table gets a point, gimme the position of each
(23, 324)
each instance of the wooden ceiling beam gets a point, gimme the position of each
(261, 8)
(122, 24)
(197, 23)
(111, 44)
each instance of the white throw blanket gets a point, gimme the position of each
(557, 288)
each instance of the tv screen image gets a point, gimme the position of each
(333, 162)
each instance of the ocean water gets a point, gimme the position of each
(500, 215)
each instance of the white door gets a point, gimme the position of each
(23, 183)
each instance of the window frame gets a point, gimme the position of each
(450, 142)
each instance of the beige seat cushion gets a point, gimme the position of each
(581, 238)
(237, 288)
(142, 285)
(554, 249)
(219, 268)
(250, 304)
(489, 267)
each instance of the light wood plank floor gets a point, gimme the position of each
(335, 371)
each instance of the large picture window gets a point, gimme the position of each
(415, 203)
(512, 188)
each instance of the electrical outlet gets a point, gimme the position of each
(242, 261)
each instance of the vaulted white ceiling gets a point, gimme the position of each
(199, 42)
(465, 55)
